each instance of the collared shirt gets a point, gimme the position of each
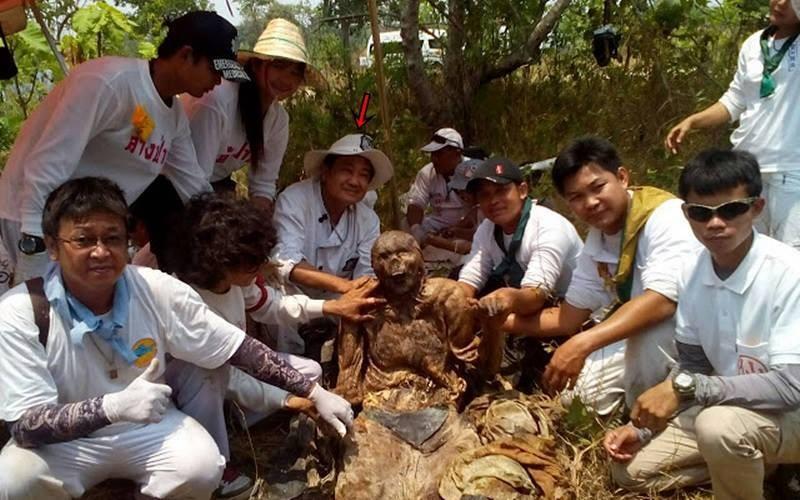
(750, 321)
(430, 189)
(164, 316)
(305, 233)
(548, 253)
(664, 244)
(768, 127)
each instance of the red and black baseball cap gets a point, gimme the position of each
(210, 35)
(498, 170)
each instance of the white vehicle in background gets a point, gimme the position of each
(392, 44)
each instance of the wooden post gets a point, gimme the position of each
(384, 102)
(50, 40)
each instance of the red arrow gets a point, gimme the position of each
(361, 119)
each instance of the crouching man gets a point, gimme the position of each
(738, 374)
(82, 354)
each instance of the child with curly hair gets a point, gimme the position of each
(221, 247)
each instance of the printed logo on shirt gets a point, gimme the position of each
(145, 350)
(157, 153)
(748, 364)
(792, 57)
(243, 154)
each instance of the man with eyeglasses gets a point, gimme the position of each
(762, 97)
(325, 231)
(729, 409)
(82, 358)
(621, 299)
(430, 189)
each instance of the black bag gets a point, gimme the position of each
(605, 44)
(8, 69)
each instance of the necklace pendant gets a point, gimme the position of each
(112, 373)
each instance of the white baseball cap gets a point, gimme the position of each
(442, 138)
(352, 145)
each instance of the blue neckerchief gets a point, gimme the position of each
(82, 321)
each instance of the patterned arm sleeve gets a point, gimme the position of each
(56, 423)
(261, 362)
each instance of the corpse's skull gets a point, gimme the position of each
(398, 264)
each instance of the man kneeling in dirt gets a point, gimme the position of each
(407, 368)
(82, 354)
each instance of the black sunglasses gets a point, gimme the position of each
(366, 142)
(726, 211)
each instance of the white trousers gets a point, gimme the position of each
(175, 458)
(601, 383)
(201, 393)
(781, 217)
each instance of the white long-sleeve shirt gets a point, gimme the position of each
(84, 127)
(221, 142)
(305, 233)
(769, 127)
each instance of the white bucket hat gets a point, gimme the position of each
(442, 138)
(282, 39)
(352, 145)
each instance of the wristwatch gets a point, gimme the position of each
(683, 384)
(30, 245)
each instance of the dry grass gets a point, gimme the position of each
(579, 451)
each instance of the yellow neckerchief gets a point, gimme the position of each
(644, 201)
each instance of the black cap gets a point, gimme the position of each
(498, 170)
(210, 35)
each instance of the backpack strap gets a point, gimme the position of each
(41, 308)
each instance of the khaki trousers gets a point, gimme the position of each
(732, 446)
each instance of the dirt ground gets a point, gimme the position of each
(579, 451)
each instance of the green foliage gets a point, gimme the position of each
(99, 29)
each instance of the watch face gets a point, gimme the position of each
(683, 380)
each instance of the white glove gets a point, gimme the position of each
(418, 233)
(143, 401)
(333, 408)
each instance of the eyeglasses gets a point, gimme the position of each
(112, 241)
(366, 142)
(726, 211)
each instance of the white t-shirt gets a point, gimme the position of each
(84, 127)
(305, 233)
(664, 244)
(264, 304)
(548, 252)
(221, 143)
(769, 128)
(165, 316)
(430, 189)
(749, 322)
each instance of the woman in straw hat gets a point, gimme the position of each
(245, 123)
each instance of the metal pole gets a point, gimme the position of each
(50, 40)
(384, 101)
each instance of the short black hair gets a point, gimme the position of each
(218, 234)
(581, 152)
(76, 199)
(715, 170)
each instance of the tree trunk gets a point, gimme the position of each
(430, 107)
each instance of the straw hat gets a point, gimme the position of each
(282, 39)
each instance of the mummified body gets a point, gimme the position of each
(407, 369)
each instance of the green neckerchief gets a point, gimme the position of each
(508, 270)
(771, 62)
(644, 201)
